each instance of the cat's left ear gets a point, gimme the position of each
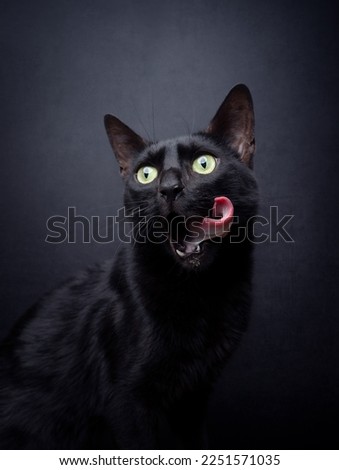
(125, 142)
(234, 123)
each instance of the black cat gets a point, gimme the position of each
(124, 355)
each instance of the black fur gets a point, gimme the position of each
(124, 355)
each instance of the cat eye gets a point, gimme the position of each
(204, 164)
(146, 174)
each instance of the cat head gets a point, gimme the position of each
(187, 192)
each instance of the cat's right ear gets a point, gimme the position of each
(234, 122)
(125, 142)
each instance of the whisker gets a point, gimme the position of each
(186, 124)
(193, 120)
(140, 121)
(153, 126)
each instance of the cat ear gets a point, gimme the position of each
(234, 122)
(125, 142)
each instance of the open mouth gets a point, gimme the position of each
(188, 235)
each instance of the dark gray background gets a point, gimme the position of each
(64, 64)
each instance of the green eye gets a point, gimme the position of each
(204, 164)
(147, 174)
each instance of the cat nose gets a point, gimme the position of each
(170, 186)
(170, 193)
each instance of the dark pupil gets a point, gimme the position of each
(146, 172)
(203, 162)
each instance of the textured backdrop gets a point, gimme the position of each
(164, 68)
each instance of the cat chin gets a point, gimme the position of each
(195, 258)
(188, 255)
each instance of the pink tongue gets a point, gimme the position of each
(210, 228)
(222, 208)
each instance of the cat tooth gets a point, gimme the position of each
(197, 249)
(180, 253)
